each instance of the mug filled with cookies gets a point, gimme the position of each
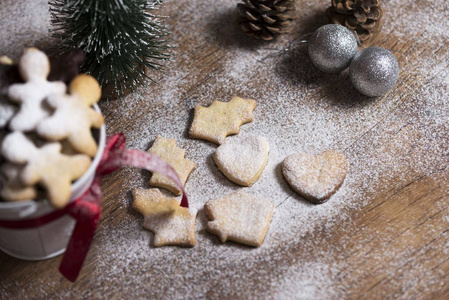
(52, 144)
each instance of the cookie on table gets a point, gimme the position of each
(242, 160)
(239, 217)
(220, 119)
(170, 223)
(45, 165)
(167, 150)
(315, 177)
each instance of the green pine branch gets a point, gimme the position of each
(120, 38)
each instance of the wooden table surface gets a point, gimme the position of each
(383, 235)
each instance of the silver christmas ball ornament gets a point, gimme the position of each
(374, 71)
(332, 47)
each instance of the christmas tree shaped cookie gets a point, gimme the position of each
(167, 150)
(240, 218)
(170, 223)
(220, 119)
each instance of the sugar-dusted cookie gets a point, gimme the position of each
(242, 160)
(46, 166)
(315, 177)
(167, 150)
(6, 60)
(170, 223)
(7, 111)
(239, 217)
(34, 68)
(74, 117)
(12, 188)
(220, 119)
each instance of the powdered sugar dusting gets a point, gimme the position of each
(242, 160)
(315, 176)
(386, 140)
(35, 67)
(170, 223)
(310, 281)
(239, 217)
(6, 111)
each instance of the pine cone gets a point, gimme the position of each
(362, 16)
(264, 19)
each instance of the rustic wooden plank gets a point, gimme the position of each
(383, 235)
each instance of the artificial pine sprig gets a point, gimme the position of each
(119, 37)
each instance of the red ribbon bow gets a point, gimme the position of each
(87, 208)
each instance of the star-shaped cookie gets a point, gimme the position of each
(167, 150)
(239, 217)
(220, 119)
(170, 223)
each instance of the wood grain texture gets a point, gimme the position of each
(386, 233)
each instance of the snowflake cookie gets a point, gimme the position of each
(170, 223)
(239, 217)
(220, 119)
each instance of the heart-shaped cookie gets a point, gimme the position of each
(242, 160)
(315, 177)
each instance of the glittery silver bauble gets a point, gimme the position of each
(332, 47)
(374, 71)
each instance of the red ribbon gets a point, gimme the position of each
(87, 209)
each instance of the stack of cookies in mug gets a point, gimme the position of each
(47, 140)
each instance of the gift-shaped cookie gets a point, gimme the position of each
(239, 217)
